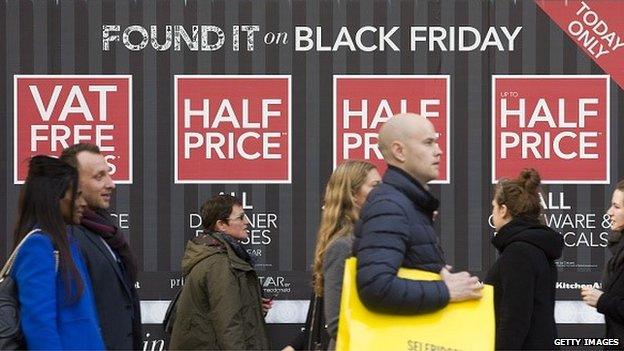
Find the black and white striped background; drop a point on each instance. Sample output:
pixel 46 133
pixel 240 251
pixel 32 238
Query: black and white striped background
pixel 64 37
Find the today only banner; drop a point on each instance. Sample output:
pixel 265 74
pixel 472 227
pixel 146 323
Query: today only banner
pixel 262 99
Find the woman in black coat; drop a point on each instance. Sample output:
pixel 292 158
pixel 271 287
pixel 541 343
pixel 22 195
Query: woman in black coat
pixel 524 275
pixel 610 300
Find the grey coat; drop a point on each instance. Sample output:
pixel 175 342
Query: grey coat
pixel 333 270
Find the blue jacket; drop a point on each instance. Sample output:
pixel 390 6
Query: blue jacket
pixel 396 230
pixel 47 320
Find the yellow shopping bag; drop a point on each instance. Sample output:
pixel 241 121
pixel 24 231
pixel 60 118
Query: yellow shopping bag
pixel 465 325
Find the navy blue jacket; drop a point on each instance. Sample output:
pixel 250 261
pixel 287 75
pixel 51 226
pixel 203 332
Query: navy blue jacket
pixel 116 299
pixel 396 230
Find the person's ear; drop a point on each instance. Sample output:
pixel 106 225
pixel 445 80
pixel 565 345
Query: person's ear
pixel 220 225
pixel 504 211
pixel 398 151
pixel 355 201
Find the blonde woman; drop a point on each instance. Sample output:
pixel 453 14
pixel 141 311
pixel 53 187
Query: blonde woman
pixel 345 194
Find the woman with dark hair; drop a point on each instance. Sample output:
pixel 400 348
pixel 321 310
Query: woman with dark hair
pixel 610 300
pixel 524 275
pixel 57 309
pixel 220 306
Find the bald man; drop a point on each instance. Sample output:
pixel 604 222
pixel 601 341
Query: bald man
pixel 396 228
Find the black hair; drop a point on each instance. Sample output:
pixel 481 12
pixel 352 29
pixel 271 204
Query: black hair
pixel 39 205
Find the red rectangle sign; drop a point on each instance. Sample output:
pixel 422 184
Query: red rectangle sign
pixel 53 112
pixel 232 129
pixel 362 104
pixel 558 125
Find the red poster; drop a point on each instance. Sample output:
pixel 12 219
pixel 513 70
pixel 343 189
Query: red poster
pixel 232 129
pixel 362 104
pixel 53 112
pixel 558 125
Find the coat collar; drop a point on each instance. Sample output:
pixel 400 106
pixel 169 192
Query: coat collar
pixel 412 188
pixel 235 261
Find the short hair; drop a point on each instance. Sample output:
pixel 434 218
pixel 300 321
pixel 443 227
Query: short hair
pixel 218 207
pixel 70 155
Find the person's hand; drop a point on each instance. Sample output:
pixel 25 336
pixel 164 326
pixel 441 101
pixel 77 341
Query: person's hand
pixel 590 295
pixel 462 286
pixel 267 304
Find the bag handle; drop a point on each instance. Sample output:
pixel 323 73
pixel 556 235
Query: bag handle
pixel 170 314
pixel 6 270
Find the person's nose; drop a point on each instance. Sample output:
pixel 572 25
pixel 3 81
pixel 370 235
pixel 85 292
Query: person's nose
pixel 438 150
pixel 109 182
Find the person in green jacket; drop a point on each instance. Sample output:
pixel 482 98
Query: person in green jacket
pixel 221 305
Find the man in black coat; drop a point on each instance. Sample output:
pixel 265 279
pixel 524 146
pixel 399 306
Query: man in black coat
pixel 396 230
pixel 112 266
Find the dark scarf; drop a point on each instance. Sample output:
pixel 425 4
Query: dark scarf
pixel 237 247
pixel 616 263
pixel 99 222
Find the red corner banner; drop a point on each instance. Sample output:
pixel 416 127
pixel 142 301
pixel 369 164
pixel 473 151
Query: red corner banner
pixel 596 27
